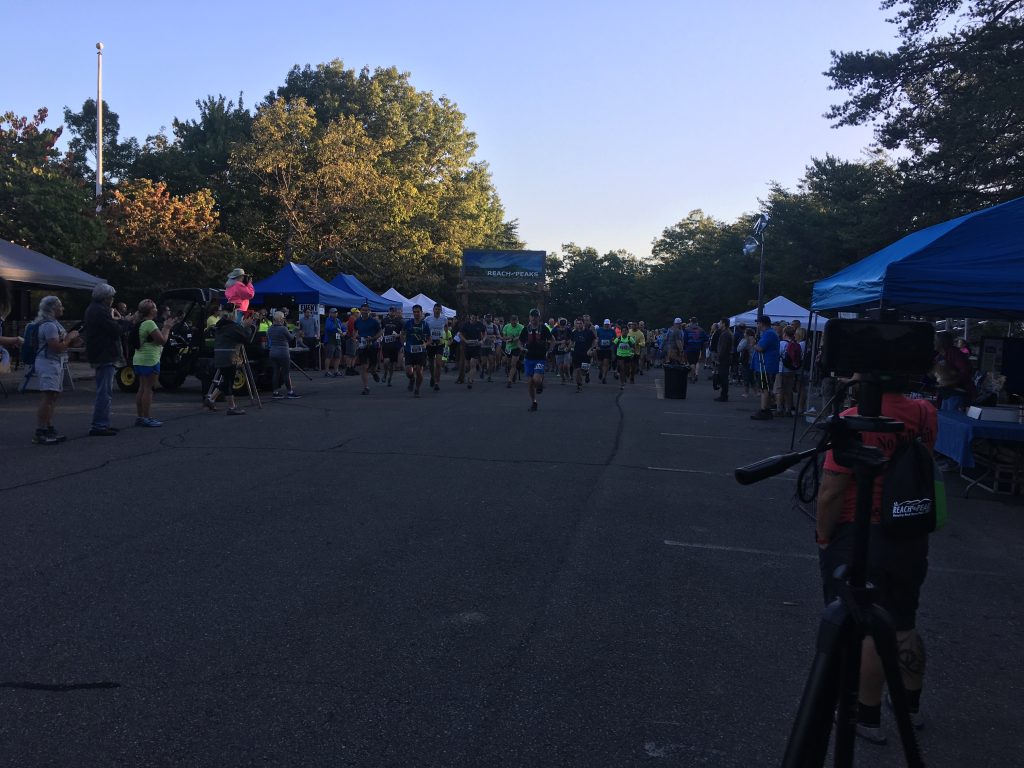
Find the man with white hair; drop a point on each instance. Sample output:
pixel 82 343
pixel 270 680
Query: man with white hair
pixel 103 327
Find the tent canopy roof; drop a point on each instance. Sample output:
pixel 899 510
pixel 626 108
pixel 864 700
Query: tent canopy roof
pixel 780 308
pixel 22 265
pixel 971 266
pixel 351 284
pixel 305 286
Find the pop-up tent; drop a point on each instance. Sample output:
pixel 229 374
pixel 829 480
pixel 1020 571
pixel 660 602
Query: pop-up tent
pixel 781 308
pixel 428 305
pixel 304 286
pixel 972 266
pixel 397 298
pixel 351 284
pixel 32 269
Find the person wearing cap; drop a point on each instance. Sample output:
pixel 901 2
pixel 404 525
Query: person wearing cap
pixel 674 349
pixel 694 340
pixel 391 341
pixel 512 331
pixel 334 343
pixel 538 342
pixel 605 339
pixel 238 290
pixel 639 348
pixel 103 328
pixel 368 332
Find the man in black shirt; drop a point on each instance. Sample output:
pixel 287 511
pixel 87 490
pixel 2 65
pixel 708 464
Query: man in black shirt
pixel 536 340
pixel 584 341
pixel 391 341
pixel 472 333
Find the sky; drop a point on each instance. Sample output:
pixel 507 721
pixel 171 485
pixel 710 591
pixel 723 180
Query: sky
pixel 603 123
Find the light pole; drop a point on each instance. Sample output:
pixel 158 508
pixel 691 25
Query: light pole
pixel 99 126
pixel 754 241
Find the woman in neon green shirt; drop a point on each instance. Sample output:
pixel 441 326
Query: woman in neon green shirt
pixel 146 360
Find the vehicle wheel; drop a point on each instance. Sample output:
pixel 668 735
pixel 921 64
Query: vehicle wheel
pixel 127 381
pixel 238 385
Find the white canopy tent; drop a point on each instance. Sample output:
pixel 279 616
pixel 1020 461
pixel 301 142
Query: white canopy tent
pixel 781 308
pixel 428 305
pixel 392 295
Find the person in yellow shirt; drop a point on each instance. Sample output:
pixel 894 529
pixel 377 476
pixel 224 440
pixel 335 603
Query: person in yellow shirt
pixel 640 349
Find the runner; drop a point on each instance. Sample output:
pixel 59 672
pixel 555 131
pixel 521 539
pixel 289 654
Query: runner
pixel 562 335
pixel 415 336
pixel 334 343
pixel 511 333
pixel 472 333
pixel 639 350
pixel 435 349
pixel 584 341
pixel 537 342
pixel 605 339
pixel 391 343
pixel 369 332
pixel 625 348
pixel 487 352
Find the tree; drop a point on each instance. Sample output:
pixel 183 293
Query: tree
pixel 41 207
pixel 164 241
pixel 950 97
pixel 118 157
pixel 585 282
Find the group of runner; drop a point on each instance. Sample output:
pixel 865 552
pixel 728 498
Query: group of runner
pixel 485 347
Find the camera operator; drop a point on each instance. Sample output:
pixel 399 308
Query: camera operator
pixel 896 566
pixel 238 290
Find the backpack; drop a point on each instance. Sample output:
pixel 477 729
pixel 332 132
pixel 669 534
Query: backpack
pixel 913 492
pixel 794 356
pixel 133 342
pixel 30 347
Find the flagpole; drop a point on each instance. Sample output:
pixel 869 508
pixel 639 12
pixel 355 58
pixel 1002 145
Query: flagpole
pixel 99 126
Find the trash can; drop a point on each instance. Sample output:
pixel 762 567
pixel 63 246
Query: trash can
pixel 676 377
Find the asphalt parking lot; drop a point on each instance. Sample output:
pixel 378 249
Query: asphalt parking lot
pixel 450 581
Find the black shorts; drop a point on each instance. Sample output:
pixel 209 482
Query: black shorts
pixel 470 352
pixel 897 567
pixel 513 352
pixel 415 358
pixel 435 350
pixel 692 357
pixel 578 360
pixel 391 352
pixel 604 354
pixel 765 381
pixel 367 356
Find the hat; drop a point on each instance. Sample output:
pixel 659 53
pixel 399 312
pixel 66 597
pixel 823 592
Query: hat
pixel 332 310
pixel 677 320
pixel 534 312
pixel 235 273
pixel 354 309
pixel 607 321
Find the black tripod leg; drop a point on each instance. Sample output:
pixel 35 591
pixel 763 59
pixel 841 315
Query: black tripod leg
pixel 885 642
pixel 808 741
pixel 849 690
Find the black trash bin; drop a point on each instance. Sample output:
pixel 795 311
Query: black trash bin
pixel 676 377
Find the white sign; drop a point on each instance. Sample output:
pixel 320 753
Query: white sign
pixel 315 309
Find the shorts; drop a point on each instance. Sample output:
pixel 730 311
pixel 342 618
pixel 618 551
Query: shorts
pixel 579 360
pixel 391 352
pixel 470 352
pixel 433 350
pixel 350 347
pixel 51 375
pixel 897 567
pixel 332 350
pixel 486 351
pixel 532 367
pixel 692 357
pixel 514 352
pixel 367 356
pixel 562 358
pixel 415 358
pixel 604 354
pixel 765 381
pixel 146 370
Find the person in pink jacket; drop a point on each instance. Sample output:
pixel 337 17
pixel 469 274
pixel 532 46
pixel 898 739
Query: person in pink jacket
pixel 238 290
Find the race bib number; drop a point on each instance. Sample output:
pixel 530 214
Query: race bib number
pixel 362 343
pixel 606 343
pixel 337 338
pixel 585 367
pixel 435 334
pixel 415 349
pixel 390 338
pixel 538 368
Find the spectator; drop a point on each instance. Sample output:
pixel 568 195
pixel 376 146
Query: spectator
pixel 238 290
pixel 280 338
pixel 309 332
pixel 103 328
pixel 787 375
pixel 5 310
pixel 674 350
pixel 724 359
pixel 953 375
pixel 229 336
pixel 146 359
pixel 765 364
pixel 334 343
pixel 50 363
pixel 744 353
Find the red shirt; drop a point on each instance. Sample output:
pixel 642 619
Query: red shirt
pixel 920 420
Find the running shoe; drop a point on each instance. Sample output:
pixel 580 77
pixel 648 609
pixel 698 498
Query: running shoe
pixel 236 412
pixel 42 437
pixel 294 395
pixel 150 423
pixel 277 396
pixel 533 406
pixel 365 392
pixel 208 404
pixel 376 378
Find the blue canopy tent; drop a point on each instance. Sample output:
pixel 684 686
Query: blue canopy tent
pixel 972 266
pixel 304 286
pixel 351 284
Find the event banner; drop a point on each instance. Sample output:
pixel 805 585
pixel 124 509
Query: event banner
pixel 504 266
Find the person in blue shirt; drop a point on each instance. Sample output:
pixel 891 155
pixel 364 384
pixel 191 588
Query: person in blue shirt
pixel 605 340
pixel 368 333
pixel 334 343
pixel 415 337
pixel 765 364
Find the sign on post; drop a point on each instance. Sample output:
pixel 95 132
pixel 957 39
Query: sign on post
pixel 504 267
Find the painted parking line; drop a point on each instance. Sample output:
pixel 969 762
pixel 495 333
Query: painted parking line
pixel 742 550
pixel 713 437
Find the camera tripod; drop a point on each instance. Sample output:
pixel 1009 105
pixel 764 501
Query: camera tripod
pixel 250 381
pixel 833 683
